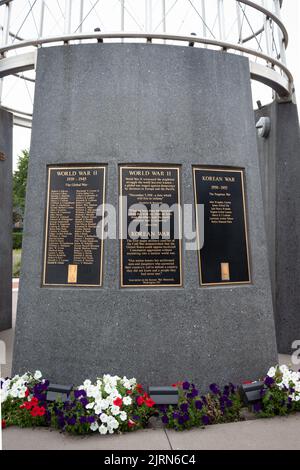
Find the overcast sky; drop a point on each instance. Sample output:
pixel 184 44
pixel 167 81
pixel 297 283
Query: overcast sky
pixel 291 18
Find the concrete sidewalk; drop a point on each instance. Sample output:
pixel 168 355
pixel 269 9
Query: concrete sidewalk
pixel 260 434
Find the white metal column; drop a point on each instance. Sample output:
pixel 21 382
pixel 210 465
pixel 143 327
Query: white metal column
pixel 221 19
pixel 42 15
pixel 68 14
pixel 5 36
pixel 280 35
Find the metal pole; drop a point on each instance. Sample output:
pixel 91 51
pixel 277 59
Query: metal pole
pixel 204 28
pixel 42 14
pixel 148 16
pixel 280 35
pixel 164 19
pixel 5 36
pixel 267 31
pixel 122 16
pixel 80 18
pixel 221 19
pixel 5 31
pixel 68 13
pixel 239 22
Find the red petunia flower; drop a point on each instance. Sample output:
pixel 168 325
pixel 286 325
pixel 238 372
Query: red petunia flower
pixel 118 402
pixel 129 392
pixel 27 392
pixel 139 388
pixel 177 384
pixel 27 404
pixel 149 402
pixel 35 411
pixel 41 411
pixel 131 423
pixel 3 424
pixel 140 401
pixel 34 401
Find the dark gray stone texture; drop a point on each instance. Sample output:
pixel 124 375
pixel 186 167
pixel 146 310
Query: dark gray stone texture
pixel 6 124
pixel 280 172
pixel 137 103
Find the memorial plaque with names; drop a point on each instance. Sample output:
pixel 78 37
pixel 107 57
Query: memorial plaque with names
pixel 151 256
pixel 224 257
pixel 73 253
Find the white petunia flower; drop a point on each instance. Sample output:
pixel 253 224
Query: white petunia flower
pixel 86 383
pixel 97 409
pixel 127 401
pixel 108 389
pixel 104 404
pixel 123 416
pixel 272 372
pixel 115 410
pixel 37 375
pixel 103 429
pixel 113 423
pixel 89 406
pixel 94 426
pixel 104 417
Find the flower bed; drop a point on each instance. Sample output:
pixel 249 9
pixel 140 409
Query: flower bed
pixel 109 405
pixel 114 404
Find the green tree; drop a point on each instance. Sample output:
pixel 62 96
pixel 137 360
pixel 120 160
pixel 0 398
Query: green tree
pixel 19 186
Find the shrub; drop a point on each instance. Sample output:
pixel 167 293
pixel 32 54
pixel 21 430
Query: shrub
pixel 17 240
pixel 281 394
pixel 194 410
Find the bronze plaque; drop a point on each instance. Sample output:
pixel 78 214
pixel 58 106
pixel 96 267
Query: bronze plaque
pixel 73 253
pixel 150 257
pixel 224 257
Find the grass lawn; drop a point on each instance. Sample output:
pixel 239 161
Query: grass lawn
pixel 17 253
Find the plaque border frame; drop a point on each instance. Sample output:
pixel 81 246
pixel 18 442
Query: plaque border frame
pixel 229 170
pixel 82 167
pixel 149 166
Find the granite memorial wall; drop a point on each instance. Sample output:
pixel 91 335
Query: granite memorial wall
pixel 148 125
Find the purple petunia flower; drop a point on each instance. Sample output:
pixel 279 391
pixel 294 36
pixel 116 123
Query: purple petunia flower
pixel 186 417
pixel 184 407
pixel 198 405
pixel 186 385
pixel 61 422
pixel 257 407
pixel 269 381
pixel 204 400
pixel 84 401
pixel 82 419
pixel 79 393
pixel 71 421
pixel 214 389
pixel 226 391
pixel 176 415
pixel 180 420
pixel 91 419
pixel 205 420
pixel 136 417
pixel 165 419
pixel 163 408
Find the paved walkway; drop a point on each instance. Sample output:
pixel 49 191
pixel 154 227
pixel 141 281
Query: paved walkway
pixel 276 433
pixel 261 434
